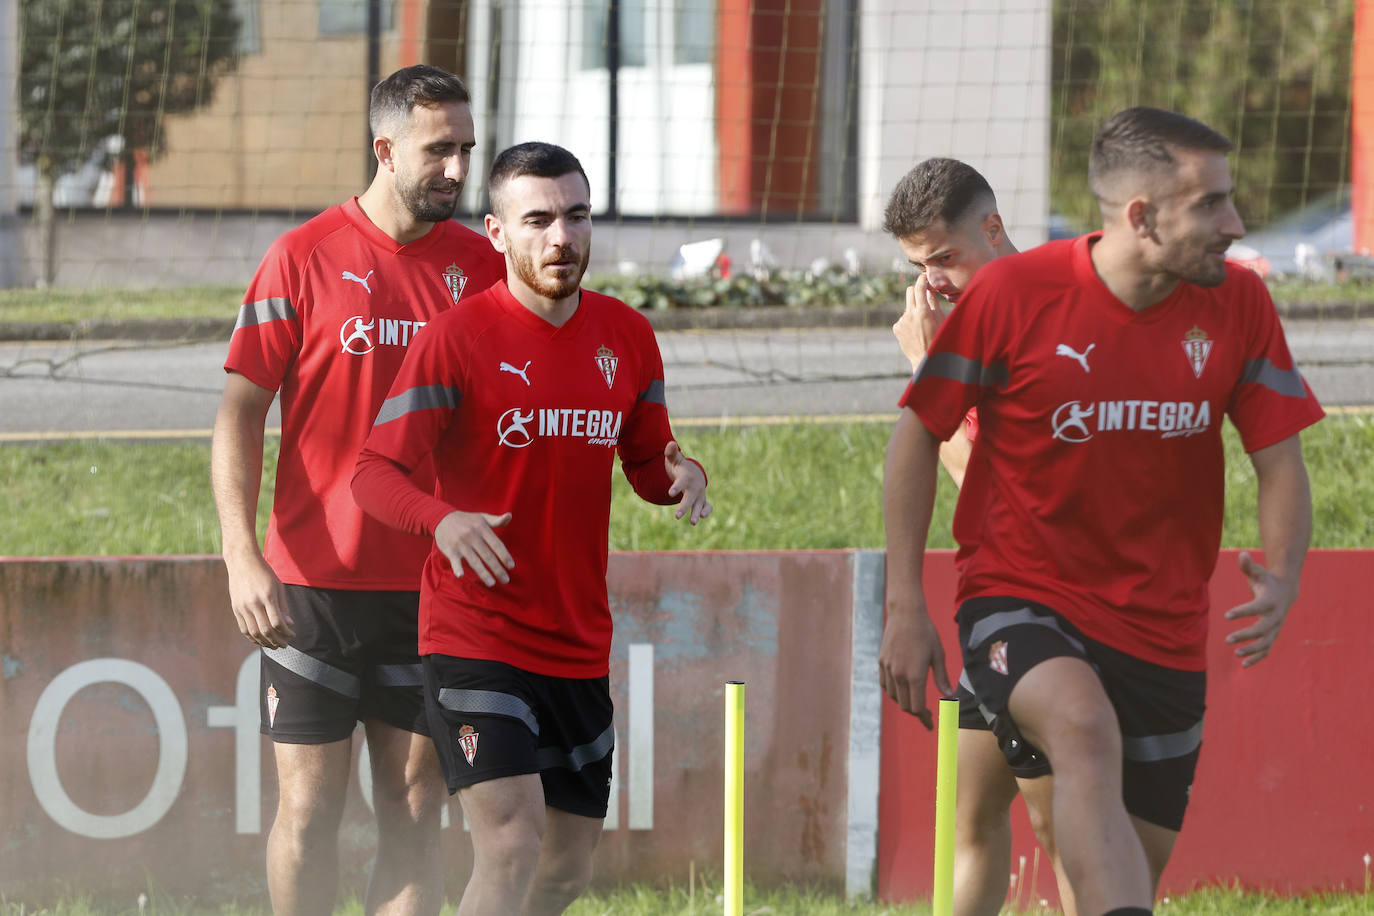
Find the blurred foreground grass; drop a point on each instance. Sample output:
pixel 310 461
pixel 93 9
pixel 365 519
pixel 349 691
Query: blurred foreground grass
pixel 702 900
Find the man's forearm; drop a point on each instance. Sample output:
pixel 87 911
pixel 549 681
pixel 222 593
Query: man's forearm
pixel 908 501
pixel 235 478
pixel 1284 500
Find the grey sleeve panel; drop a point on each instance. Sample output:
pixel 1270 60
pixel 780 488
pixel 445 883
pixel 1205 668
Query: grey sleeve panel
pixel 277 308
pixel 962 369
pixel 1287 382
pixel 655 393
pixel 427 397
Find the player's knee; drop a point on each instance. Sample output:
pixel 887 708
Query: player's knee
pixel 977 822
pixel 1084 734
pixel 308 817
pixel 408 805
pixel 1042 824
pixel 565 879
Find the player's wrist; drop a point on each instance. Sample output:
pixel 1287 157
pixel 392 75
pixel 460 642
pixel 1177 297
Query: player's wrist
pixel 241 552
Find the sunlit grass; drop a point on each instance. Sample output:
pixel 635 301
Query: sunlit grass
pixel 804 486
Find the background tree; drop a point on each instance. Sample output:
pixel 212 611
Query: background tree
pixel 1273 75
pixel 95 69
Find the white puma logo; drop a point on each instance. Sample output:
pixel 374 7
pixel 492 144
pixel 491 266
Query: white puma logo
pixel 1066 350
pixel 507 367
pixel 350 275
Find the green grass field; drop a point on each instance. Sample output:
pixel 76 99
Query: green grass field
pixel 801 486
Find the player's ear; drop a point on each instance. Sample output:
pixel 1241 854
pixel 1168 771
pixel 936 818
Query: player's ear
pixel 495 232
pixel 1140 215
pixel 382 149
pixel 993 230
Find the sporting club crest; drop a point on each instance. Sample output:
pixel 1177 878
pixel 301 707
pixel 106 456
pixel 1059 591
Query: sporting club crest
pixel 997 657
pixel 455 280
pixel 606 361
pixel 272 701
pixel 1198 346
pixel 467 741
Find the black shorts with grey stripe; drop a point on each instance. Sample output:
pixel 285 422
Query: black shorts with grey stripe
pixel 1025 761
pixel 491 720
pixel 354 657
pixel 1160 709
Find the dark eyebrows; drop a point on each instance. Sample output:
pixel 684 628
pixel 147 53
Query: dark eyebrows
pixel 576 209
pixel 1216 197
pixel 935 256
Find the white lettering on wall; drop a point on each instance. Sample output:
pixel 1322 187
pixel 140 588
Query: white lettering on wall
pixel 171 755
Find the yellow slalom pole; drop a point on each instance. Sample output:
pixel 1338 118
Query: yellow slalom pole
pixel 734 798
pixel 946 765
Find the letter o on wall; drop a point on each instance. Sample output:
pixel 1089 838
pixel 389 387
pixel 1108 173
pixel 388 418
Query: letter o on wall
pixel 171 757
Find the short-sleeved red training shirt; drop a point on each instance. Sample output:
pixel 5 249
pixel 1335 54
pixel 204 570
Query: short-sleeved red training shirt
pixel 526 418
pixel 1097 481
pixel 327 319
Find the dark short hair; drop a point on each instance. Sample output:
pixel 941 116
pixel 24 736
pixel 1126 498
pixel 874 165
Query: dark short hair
pixel 394 97
pixel 543 160
pixel 1141 139
pixel 937 188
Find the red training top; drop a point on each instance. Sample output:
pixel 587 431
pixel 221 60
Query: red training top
pixel 1096 484
pixel 522 417
pixel 327 320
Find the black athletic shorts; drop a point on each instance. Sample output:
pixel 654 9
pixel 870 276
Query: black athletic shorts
pixel 354 657
pixel 1160 709
pixel 1025 761
pixel 491 720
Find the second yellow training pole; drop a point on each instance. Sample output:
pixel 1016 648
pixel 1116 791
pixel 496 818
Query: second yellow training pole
pixel 734 798
pixel 946 766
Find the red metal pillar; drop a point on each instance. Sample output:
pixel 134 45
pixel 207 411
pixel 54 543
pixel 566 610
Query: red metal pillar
pixel 1362 127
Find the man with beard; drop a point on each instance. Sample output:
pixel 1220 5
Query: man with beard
pixel 523 397
pixel 333 599
pixel 1090 516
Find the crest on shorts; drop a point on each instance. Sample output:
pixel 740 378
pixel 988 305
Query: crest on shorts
pixel 606 361
pixel 467 741
pixel 272 701
pixel 455 280
pixel 1198 346
pixel 997 657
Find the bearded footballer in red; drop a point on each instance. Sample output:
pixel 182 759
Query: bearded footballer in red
pixel 333 599
pixel 1090 515
pixel 524 398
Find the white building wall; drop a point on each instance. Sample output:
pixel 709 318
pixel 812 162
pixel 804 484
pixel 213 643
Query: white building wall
pixel 968 80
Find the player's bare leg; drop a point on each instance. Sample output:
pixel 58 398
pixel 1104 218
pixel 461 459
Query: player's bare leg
pixel 1060 706
pixel 1159 845
pixel 506 817
pixel 303 845
pixel 1039 796
pixel 408 794
pixel 565 862
pixel 982 825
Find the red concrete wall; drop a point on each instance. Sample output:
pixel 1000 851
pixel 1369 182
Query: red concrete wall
pixel 779 621
pixel 768 60
pixel 1282 798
